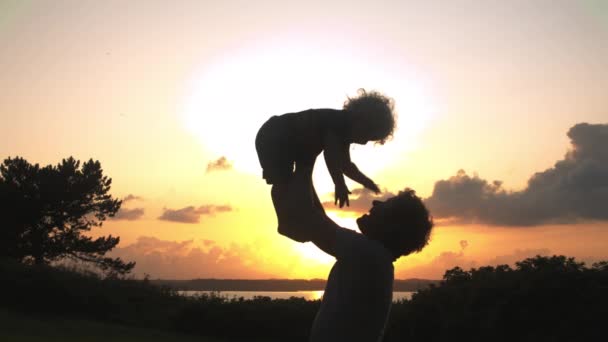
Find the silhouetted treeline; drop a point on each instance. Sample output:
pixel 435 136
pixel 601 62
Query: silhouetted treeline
pixel 47 211
pixel 243 284
pixel 274 284
pixel 540 299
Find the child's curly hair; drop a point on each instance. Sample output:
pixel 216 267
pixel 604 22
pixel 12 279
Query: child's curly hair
pixel 379 109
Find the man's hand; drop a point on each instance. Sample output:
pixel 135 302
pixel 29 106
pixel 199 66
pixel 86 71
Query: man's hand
pixel 341 196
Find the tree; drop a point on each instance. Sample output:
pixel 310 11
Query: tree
pixel 45 211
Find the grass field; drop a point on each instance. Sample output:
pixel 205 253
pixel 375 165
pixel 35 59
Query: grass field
pixel 21 328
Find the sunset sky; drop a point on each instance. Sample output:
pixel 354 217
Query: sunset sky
pixel 168 96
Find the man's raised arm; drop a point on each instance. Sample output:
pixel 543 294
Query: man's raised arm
pixel 303 220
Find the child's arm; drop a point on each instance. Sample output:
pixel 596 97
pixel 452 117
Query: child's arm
pixel 352 171
pixel 336 156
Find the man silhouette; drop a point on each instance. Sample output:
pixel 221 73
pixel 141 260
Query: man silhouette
pixel 358 294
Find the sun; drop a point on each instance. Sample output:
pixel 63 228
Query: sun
pixel 229 99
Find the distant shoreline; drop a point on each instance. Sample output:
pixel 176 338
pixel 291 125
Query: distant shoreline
pixel 272 285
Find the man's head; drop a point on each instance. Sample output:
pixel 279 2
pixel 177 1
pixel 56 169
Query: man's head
pixel 401 223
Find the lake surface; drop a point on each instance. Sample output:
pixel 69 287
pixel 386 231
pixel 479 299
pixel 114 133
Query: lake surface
pixel 308 295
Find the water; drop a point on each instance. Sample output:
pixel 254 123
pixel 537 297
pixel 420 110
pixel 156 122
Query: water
pixel 308 295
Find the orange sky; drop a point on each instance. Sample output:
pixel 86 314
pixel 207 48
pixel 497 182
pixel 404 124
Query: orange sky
pixel 157 92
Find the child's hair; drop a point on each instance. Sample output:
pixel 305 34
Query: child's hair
pixel 378 108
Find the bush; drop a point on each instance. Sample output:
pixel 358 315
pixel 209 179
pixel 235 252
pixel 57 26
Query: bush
pixel 541 299
pixel 48 290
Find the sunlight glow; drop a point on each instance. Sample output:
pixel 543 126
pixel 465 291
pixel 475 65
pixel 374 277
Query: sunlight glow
pixel 231 98
pixel 315 295
pixel 314 254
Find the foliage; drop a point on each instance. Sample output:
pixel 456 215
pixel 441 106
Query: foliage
pixel 63 292
pixel 539 299
pixel 138 303
pixel 260 318
pixel 46 210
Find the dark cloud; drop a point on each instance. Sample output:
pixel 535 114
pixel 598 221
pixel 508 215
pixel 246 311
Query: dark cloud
pixel 129 214
pixel 360 200
pixel 131 197
pixel 188 259
pixel 222 164
pixel 574 190
pixel 192 214
pixel 185 215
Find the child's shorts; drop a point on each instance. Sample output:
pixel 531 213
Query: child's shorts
pixel 273 147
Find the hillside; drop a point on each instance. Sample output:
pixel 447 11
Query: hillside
pixel 273 284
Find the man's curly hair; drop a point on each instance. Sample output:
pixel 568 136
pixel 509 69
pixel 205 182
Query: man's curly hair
pixel 379 109
pixel 411 223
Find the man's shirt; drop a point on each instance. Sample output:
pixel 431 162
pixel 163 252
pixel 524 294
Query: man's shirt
pixel 359 291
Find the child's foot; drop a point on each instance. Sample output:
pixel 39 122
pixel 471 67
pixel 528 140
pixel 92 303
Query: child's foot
pixel 282 228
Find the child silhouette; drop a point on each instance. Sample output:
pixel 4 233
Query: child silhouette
pixel 296 139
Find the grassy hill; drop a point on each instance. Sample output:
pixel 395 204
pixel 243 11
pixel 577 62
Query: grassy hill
pixel 19 327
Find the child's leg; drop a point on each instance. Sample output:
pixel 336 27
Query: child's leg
pixel 311 201
pixel 304 170
pixel 277 193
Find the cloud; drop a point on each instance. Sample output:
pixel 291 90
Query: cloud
pixel 129 214
pixel 221 164
pixel 211 209
pixel 360 200
pixel 464 244
pixel 574 190
pixel 188 259
pixel 192 214
pixel 131 197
